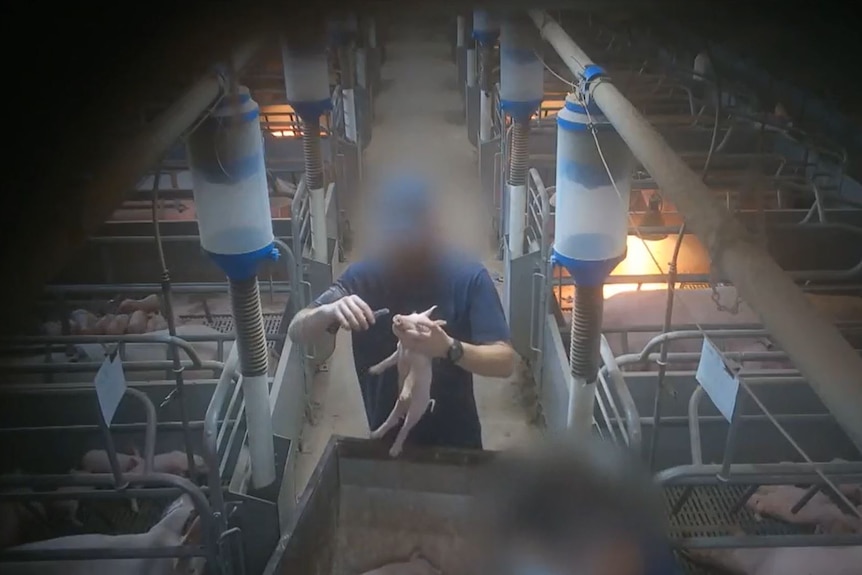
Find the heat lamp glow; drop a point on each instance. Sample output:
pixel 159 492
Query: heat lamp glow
pixel 638 262
pixel 281 121
pixel 549 109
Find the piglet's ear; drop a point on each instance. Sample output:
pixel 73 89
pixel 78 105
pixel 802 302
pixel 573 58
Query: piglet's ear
pixel 429 311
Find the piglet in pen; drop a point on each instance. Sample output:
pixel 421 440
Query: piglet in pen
pixel 179 525
pixel 414 380
pixel 147 305
pixel 174 462
pixel 784 560
pixel 97 461
pixel 777 501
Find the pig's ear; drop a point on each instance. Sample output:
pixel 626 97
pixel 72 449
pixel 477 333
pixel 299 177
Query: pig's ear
pixel 440 322
pixel 429 311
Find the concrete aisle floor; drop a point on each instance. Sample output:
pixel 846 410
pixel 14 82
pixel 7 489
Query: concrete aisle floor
pixel 419 123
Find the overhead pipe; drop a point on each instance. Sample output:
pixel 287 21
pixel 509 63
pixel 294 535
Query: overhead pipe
pixel 817 348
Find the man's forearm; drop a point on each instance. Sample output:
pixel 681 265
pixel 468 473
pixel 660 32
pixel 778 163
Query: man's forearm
pixel 491 360
pixel 309 324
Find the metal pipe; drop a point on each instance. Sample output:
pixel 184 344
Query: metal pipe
pixel 107 188
pixel 314 181
pixel 486 87
pixel 110 339
pixel 761 473
pixel 832 367
pixel 87 366
pixel 630 411
pixel 168 312
pixel 147 288
pixel 253 356
pixel 210 444
pixel 584 357
pixel 517 185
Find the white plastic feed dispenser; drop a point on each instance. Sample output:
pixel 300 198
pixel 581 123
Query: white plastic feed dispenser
pixel 522 75
pixel 485 27
pixel 306 79
pixel 591 221
pixel 229 177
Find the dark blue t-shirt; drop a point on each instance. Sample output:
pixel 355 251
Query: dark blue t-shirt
pixel 467 299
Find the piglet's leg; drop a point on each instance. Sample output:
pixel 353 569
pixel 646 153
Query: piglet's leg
pixel 385 364
pixel 398 411
pixel 415 411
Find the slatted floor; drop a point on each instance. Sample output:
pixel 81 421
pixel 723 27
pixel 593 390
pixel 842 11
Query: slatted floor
pixel 224 323
pixel 709 512
pixel 117 517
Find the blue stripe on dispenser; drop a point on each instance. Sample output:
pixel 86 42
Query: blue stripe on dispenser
pixel 228 98
pixel 587 273
pixel 578 108
pixel 590 176
pixel 311 110
pixel 238 267
pixel 228 170
pixel 486 37
pixel 583 124
pixel 218 118
pixel 520 111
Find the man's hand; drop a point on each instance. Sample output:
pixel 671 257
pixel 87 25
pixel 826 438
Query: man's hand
pixel 351 313
pixel 430 339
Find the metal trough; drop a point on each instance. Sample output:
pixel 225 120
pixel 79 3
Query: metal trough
pixel 362 509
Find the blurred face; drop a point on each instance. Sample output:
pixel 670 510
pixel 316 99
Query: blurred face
pixel 410 253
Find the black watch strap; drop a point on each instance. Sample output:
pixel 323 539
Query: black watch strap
pixel 455 352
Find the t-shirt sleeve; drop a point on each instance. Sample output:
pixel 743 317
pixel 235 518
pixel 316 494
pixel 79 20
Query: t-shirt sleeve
pixel 346 284
pixel 487 320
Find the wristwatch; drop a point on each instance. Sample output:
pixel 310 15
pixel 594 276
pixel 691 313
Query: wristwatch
pixel 455 352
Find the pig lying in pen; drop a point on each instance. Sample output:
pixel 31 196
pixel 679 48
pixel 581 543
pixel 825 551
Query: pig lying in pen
pixel 696 307
pixel 784 560
pixel 179 525
pixel 777 501
pixel 173 462
pixel 414 380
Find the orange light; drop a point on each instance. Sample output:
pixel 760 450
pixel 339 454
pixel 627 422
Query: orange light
pixel 613 289
pixel 638 262
pixel 549 108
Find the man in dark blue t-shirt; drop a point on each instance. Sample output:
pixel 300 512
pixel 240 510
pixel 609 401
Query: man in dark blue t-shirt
pixel 409 271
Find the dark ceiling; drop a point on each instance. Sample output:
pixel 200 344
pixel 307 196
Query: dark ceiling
pixel 77 79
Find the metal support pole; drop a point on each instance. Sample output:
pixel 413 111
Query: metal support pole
pixel 486 85
pixel 517 186
pixel 253 361
pixel 345 60
pixel 824 357
pixel 584 357
pixel 316 188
